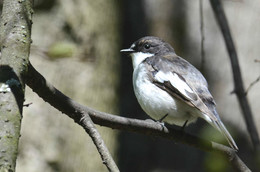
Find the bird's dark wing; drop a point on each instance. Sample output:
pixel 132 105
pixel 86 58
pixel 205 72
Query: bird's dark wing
pixel 183 81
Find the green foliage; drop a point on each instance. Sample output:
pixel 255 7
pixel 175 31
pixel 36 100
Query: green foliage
pixel 61 50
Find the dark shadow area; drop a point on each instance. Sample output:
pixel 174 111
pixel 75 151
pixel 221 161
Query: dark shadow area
pixel 43 5
pixel 8 76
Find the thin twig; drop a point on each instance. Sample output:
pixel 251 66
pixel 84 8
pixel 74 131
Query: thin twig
pixel 238 82
pixel 98 141
pixel 252 84
pixel 202 34
pixel 77 112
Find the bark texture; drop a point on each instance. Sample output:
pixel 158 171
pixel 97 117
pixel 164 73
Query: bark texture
pixel 15 35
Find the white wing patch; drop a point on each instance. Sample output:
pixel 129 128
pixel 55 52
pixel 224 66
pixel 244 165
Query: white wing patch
pixel 176 82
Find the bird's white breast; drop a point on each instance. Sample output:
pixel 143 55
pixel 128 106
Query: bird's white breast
pixel 157 102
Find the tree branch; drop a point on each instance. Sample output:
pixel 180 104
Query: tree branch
pixel 202 37
pixel 238 82
pixel 71 108
pixel 77 112
pixel 90 128
pixel 15 40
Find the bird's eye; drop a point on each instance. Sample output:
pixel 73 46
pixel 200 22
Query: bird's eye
pixel 147 46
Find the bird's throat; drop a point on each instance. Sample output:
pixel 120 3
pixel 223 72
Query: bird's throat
pixel 139 57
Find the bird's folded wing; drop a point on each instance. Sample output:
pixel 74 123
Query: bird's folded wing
pixel 175 85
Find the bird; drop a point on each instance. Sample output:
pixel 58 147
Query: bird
pixel 169 89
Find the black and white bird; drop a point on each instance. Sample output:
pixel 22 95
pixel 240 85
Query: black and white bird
pixel 170 89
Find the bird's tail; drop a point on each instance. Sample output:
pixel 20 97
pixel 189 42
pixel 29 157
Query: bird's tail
pixel 221 127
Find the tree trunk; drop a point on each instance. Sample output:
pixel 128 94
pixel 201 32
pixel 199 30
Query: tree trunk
pixel 15 35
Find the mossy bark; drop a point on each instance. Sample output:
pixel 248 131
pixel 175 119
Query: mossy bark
pixel 15 39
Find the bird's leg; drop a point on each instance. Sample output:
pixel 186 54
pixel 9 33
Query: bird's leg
pixel 160 120
pixel 184 125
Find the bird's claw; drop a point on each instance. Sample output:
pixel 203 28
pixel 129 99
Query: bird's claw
pixel 157 122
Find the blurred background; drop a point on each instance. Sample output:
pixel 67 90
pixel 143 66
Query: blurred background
pixel 76 47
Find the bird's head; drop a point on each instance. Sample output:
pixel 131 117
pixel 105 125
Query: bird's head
pixel 146 47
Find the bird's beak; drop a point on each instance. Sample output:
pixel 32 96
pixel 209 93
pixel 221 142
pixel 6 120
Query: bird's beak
pixel 127 51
